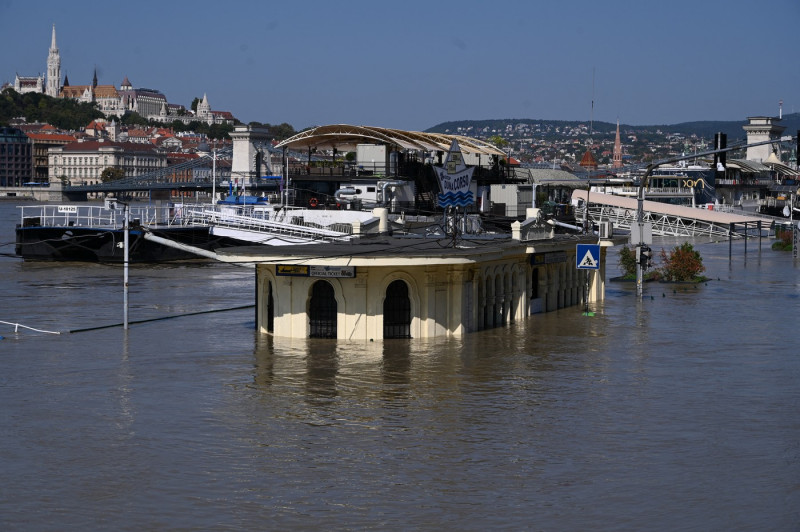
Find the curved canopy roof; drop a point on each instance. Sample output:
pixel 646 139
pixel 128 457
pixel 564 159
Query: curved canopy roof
pixel 750 167
pixel 755 167
pixel 344 137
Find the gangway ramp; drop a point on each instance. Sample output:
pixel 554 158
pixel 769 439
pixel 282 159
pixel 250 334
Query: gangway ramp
pixel 255 227
pixel 668 219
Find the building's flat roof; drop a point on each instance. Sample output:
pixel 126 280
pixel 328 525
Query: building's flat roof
pixel 398 251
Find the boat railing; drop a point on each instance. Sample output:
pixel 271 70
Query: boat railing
pixel 651 191
pixel 98 216
pixel 257 220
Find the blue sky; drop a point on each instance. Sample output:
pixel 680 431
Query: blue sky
pixel 414 64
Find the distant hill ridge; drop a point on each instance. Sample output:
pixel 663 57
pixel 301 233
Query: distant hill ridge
pixel 704 129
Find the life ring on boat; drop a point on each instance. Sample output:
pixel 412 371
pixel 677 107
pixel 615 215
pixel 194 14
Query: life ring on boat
pixel 313 202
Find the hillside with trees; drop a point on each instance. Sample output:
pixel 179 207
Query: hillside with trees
pixel 702 129
pixel 70 115
pixel 62 113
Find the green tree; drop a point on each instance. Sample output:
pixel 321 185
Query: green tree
pixel 132 118
pixel 279 132
pixel 194 104
pixel 498 141
pixel 111 174
pixel 682 264
pixel 627 261
pixel 63 113
pixel 785 240
pixel 219 131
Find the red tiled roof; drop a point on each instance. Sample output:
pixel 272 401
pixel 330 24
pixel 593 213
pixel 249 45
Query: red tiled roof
pixel 106 91
pixel 588 160
pixel 51 137
pixel 74 91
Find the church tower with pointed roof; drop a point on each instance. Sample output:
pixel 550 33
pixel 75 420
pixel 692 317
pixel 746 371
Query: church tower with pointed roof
pixel 617 150
pixel 53 68
pixel 204 108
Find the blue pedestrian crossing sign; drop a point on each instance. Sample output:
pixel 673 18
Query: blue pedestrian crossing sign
pixel 588 257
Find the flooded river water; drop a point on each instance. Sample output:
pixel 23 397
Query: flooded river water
pixel 679 412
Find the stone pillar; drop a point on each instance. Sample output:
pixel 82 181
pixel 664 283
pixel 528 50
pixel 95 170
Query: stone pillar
pixel 245 151
pixel 360 310
pixel 456 311
pixel 552 288
pixel 597 291
pixel 428 304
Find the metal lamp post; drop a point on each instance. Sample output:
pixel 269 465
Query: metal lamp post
pixel 111 204
pixel 213 175
pixel 126 258
pixel 640 233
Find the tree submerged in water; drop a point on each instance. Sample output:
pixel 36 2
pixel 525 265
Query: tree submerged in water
pixel 683 264
pixel 784 242
pixel 627 262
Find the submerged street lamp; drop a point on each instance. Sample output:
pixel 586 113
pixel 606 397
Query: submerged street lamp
pixel 112 204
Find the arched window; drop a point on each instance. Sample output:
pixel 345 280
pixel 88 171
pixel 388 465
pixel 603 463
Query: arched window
pixel 322 311
pixel 397 311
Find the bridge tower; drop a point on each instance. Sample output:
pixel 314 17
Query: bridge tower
pixel 761 129
pixel 248 162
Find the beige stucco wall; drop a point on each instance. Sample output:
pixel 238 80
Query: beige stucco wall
pixel 446 299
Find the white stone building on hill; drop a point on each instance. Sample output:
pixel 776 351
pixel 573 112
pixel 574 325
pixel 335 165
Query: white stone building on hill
pixel 112 101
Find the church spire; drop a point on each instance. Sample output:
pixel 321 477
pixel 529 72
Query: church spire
pixel 94 79
pixel 53 86
pixel 617 150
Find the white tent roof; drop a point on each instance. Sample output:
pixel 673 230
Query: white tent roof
pixel 343 137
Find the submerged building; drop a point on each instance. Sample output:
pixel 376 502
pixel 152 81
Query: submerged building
pixel 409 276
pixel 407 286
